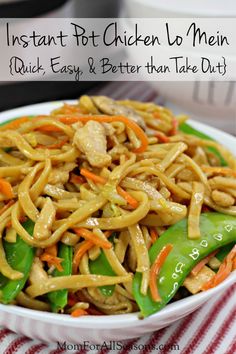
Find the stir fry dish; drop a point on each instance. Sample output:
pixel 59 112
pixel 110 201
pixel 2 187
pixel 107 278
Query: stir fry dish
pixel 112 207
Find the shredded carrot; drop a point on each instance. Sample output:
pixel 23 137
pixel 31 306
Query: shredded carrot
pixel 52 261
pixel 49 129
pixel 77 179
pixel 6 188
pixel 153 234
pixel 219 170
pixel 53 146
pixel 90 236
pixel 162 137
pixel 175 125
pixel 225 268
pixel 98 179
pixel 234 263
pixel 15 123
pixel 6 206
pixel 52 250
pixel 79 254
pixel 79 312
pixel 130 200
pixel 109 119
pixel 108 233
pixel 46 128
pixel 155 269
pixel 39 117
pixel 68 109
pixel 69 119
pixel 92 176
pixel 201 264
pixel 156 115
pixel 9 224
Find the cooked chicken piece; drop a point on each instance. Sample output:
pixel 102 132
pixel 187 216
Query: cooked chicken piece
pixel 111 107
pixel 61 174
pixel 91 140
pixel 37 273
pixel 43 226
pixel 194 283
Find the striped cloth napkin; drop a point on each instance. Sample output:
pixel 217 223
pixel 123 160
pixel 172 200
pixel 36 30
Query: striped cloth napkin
pixel 209 330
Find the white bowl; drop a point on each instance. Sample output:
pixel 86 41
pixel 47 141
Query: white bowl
pixel 51 327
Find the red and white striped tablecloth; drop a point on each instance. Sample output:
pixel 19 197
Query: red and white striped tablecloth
pixel 209 330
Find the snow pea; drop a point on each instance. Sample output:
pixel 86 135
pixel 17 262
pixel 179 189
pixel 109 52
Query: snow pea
pixel 224 251
pixel 217 230
pixel 101 266
pixel 187 129
pixel 20 256
pixel 58 299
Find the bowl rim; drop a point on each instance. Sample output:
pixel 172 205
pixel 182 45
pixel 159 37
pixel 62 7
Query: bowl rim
pixel 118 321
pixel 122 320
